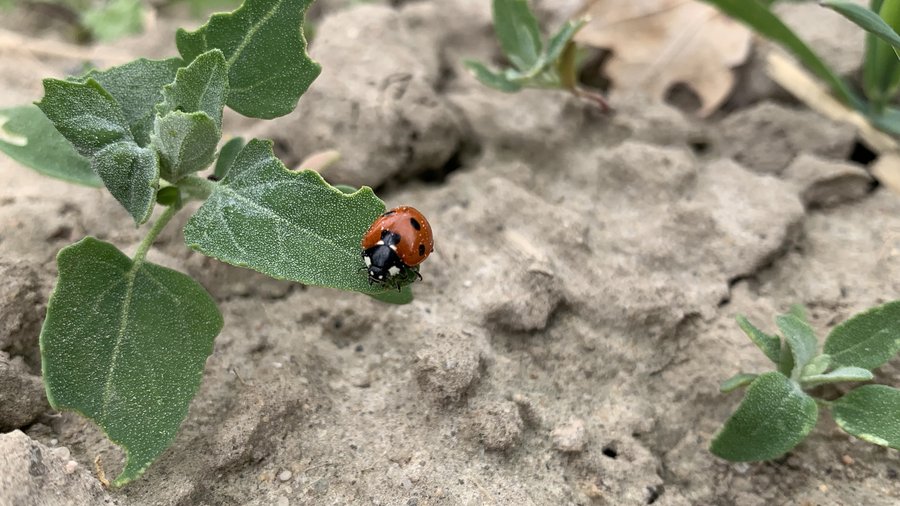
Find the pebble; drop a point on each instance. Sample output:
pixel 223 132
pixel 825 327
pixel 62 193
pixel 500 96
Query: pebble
pixel 70 467
pixel 285 475
pixel 569 437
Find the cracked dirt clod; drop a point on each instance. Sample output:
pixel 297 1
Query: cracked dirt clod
pixel 526 301
pixel 31 473
pixel 449 365
pixel 22 301
pixel 497 425
pixel 827 183
pixel 22 396
pixel 768 136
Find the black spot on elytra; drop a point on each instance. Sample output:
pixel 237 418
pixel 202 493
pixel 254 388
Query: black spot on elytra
pixel 415 224
pixel 421 250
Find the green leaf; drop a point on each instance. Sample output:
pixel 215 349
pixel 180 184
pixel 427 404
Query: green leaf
pixel 800 338
pixel 518 32
pixel 201 86
pixel 770 345
pixel 492 79
pixel 786 360
pixel 839 375
pixel 865 19
pixel 799 311
pixel 92 120
pixel 868 339
pixel 85 114
pixel 137 87
pixel 557 44
pixel 737 381
pixel 131 174
pixel 816 366
pixel 124 344
pixel 286 224
pixel 28 137
pixel 761 19
pixel 249 37
pixel 226 156
pixel 774 417
pixel 186 143
pixel 870 413
pixel 114 19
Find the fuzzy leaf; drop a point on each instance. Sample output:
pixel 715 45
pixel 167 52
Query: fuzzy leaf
pixel 518 32
pixel 839 375
pixel 868 339
pixel 770 345
pixel 800 338
pixel 186 143
pixel 816 366
pixel 92 120
pixel 249 37
pixel 227 155
pixel 85 114
pixel 870 413
pixel 737 381
pixel 492 79
pixel 28 137
pixel 124 344
pixel 286 224
pixel 131 174
pixel 774 417
pixel 201 86
pixel 137 87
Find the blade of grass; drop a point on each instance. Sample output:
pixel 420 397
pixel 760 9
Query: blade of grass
pixel 758 17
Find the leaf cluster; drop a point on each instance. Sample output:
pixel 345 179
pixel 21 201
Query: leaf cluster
pixel 881 67
pixel 778 411
pixel 536 63
pixel 125 341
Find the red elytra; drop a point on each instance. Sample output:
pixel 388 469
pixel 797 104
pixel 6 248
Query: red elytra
pixel 415 241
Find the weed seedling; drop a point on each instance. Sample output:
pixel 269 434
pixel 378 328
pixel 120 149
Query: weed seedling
pixel 778 410
pixel 124 341
pixel 535 63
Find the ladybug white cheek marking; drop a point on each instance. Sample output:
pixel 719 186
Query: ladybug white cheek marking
pixel 368 261
pixel 394 270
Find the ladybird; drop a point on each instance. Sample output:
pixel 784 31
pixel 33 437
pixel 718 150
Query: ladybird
pixel 397 241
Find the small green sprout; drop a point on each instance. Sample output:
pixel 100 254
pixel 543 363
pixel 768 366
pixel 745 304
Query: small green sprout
pixel 778 411
pixel 536 64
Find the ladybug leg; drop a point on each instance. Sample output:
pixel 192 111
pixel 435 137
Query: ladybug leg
pixel 418 276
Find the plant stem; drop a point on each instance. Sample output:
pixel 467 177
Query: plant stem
pixel 153 233
pixel 196 188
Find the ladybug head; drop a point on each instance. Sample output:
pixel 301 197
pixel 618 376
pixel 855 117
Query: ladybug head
pixel 382 263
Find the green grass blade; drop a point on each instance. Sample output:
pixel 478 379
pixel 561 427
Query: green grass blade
pixel 759 18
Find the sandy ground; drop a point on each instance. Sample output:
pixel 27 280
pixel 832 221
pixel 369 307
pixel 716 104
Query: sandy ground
pixel 574 323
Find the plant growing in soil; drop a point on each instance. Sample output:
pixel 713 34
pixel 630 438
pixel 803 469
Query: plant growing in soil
pixel 535 63
pixel 881 67
pixel 780 408
pixel 124 341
